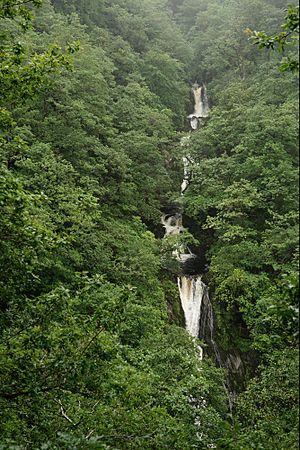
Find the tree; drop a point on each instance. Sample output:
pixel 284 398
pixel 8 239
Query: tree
pixel 284 39
pixel 24 236
pixel 88 356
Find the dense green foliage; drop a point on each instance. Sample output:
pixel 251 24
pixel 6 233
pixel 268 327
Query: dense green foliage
pixel 283 39
pixel 94 96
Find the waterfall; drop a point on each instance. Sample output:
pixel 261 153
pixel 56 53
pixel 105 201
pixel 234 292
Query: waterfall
pixel 194 296
pixel 193 292
pixel 191 288
pixel 172 223
pixel 198 311
pixel 187 161
pixel 201 107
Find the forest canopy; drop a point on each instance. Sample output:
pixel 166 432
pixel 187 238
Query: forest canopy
pixel 94 99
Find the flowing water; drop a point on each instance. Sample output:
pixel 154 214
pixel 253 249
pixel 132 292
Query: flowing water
pixel 194 296
pixel 193 292
pixel 201 106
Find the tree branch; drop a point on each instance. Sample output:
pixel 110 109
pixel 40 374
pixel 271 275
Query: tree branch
pixel 64 414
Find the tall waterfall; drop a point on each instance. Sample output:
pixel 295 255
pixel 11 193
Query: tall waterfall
pixel 194 296
pixel 193 292
pixel 201 107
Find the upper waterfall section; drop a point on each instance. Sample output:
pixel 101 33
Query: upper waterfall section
pixel 201 106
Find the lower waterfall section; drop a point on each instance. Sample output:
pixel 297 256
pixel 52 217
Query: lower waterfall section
pixel 198 312
pixel 191 292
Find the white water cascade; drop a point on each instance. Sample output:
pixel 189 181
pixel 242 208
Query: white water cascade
pixel 193 292
pixel 194 296
pixel 191 288
pixel 201 107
